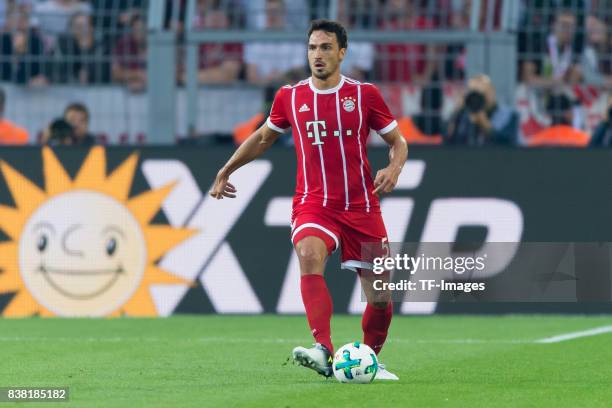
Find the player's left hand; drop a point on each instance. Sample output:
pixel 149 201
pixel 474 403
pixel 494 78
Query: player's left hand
pixel 386 179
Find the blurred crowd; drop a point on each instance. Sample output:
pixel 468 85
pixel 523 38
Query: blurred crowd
pixel 265 62
pixel 562 44
pixel 72 41
pixel 104 41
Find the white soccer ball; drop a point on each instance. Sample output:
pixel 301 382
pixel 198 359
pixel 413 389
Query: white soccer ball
pixel 355 363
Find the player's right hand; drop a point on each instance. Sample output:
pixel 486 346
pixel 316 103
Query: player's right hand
pixel 222 188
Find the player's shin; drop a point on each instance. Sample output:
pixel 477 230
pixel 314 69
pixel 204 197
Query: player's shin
pixel 375 324
pixel 319 307
pixel 378 313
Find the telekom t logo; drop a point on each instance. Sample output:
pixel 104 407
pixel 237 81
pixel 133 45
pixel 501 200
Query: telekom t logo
pixel 319 131
pixel 315 131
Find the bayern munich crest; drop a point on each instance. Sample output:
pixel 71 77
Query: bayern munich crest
pixel 348 103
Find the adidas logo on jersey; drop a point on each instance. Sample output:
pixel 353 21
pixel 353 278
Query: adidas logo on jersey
pixel 304 108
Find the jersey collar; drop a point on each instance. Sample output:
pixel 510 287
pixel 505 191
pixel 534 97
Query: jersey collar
pixel 326 91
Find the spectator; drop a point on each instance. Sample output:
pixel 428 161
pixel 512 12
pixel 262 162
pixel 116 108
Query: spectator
pixel 80 56
pixel 359 58
pixel 10 134
pixel 481 120
pixel 130 56
pixel 53 16
pixel 295 13
pixel 602 136
pixel 554 62
pixel 111 16
pixel 218 62
pixel 595 60
pixel 23 57
pixel 402 62
pixel 16 14
pixel 427 127
pixel 77 115
pixel 560 132
pixel 59 133
pixel 272 61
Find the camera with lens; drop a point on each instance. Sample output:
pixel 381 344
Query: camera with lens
pixel 475 101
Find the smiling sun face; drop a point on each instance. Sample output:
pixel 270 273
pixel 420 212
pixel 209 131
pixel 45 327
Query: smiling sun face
pixel 81 247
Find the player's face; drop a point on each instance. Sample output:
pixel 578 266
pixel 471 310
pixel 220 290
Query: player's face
pixel 324 54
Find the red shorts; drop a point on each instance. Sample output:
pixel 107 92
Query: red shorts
pixel 347 230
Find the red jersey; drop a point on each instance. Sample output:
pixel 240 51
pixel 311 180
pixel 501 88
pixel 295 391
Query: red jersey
pixel 330 131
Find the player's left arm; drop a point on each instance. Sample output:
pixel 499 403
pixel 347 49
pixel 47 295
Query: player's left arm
pixel 386 178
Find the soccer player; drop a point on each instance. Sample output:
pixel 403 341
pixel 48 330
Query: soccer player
pixel 336 202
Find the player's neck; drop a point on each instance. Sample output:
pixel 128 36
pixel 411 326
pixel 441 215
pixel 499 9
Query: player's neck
pixel 332 81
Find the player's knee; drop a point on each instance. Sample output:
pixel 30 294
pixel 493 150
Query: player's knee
pixel 312 253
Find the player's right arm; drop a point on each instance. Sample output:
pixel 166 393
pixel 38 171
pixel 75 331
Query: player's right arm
pixel 252 148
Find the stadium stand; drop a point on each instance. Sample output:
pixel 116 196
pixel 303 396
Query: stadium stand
pixel 99 53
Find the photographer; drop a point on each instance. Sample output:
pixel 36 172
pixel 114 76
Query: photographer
pixel 481 120
pixel 59 133
pixel 602 136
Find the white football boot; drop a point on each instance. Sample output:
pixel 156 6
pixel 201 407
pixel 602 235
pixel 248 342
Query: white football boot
pixel 317 358
pixel 383 374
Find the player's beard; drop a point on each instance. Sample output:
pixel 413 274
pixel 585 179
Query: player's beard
pixel 326 73
pixel 322 76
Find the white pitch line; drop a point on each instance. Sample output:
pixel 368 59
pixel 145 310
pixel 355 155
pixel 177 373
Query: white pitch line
pixel 547 340
pixel 459 341
pixel 575 335
pixel 243 340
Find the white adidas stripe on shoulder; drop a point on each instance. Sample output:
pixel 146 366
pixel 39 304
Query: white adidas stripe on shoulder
pixel 356 82
pixel 289 86
pixel 302 82
pixel 352 81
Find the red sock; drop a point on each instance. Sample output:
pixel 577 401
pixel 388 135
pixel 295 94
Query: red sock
pixel 375 324
pixel 318 305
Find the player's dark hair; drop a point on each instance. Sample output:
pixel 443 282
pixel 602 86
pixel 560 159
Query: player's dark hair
pixel 79 107
pixel 330 27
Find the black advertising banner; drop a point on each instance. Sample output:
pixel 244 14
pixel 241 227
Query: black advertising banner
pixel 132 231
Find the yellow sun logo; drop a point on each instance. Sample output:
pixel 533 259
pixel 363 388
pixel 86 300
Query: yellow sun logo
pixel 83 247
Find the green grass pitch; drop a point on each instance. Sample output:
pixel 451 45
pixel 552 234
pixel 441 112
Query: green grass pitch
pixel 237 361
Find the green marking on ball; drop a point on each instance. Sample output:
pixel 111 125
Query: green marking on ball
pixel 372 368
pixel 348 364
